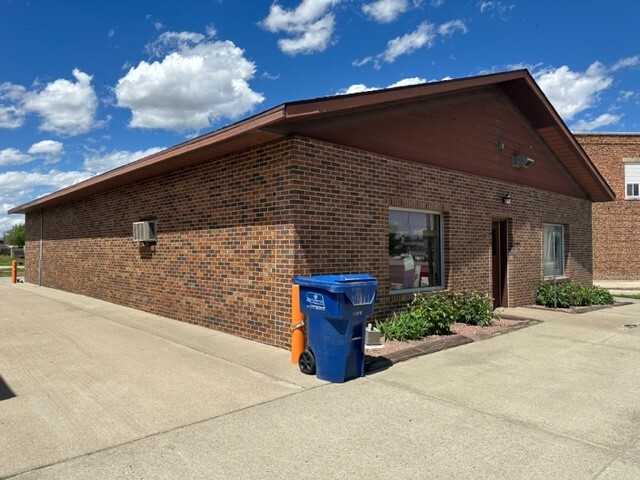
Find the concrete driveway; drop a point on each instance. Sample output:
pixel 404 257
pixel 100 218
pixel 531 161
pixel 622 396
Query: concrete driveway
pixel 102 391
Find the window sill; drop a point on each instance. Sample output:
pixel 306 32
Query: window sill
pixel 559 278
pixel 407 291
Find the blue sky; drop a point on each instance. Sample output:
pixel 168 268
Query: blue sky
pixel 86 86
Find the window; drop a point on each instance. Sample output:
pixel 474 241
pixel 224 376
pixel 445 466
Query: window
pixel 553 250
pixel 632 179
pixel 415 250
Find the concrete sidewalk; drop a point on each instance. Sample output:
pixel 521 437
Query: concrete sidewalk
pixel 620 287
pixel 107 392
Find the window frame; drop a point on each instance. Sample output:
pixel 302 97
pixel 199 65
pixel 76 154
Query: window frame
pixel 631 178
pixel 563 272
pixel 635 194
pixel 440 219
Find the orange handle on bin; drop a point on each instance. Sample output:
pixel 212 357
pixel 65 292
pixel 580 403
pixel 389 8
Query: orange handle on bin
pixel 297 325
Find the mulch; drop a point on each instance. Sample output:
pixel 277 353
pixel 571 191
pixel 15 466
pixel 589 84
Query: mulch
pixel 392 352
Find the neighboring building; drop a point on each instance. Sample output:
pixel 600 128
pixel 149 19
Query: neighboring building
pixel 616 225
pixel 425 187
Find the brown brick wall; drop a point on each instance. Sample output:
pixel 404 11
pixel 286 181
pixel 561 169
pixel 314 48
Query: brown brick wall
pixel 233 231
pixel 222 258
pixel 616 225
pixel 342 221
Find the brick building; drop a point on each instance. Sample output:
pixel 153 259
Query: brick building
pixel 616 225
pixel 473 183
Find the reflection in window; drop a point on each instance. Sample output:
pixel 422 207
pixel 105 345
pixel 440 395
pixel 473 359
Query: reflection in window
pixel 415 249
pixel 553 250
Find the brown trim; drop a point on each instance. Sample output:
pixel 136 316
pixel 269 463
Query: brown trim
pixel 281 121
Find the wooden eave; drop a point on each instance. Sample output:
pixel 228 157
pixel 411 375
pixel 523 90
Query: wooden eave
pixel 302 117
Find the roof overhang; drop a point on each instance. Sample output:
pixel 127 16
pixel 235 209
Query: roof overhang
pixel 286 119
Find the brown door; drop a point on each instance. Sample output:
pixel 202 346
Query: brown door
pixel 499 263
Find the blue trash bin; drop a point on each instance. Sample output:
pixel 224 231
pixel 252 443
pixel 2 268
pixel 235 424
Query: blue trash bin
pixel 336 307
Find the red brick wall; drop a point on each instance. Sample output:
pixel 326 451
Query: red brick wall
pixel 221 259
pixel 342 220
pixel 233 231
pixel 616 225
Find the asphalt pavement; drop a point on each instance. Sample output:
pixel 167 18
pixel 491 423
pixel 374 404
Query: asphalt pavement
pixel 89 389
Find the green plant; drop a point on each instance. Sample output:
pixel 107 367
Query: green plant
pixel 472 308
pixel 401 326
pixel 433 314
pixel 571 294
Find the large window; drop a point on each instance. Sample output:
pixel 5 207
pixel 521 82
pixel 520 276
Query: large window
pixel 415 249
pixel 553 250
pixel 632 180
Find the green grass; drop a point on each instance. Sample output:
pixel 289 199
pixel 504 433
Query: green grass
pixel 5 261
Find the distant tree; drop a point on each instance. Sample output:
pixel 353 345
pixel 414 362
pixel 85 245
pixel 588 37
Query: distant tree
pixel 15 236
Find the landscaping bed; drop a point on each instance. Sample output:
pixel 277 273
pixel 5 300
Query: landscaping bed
pixel 394 351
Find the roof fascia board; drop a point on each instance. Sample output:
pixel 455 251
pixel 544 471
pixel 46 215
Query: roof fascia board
pixel 252 123
pixel 571 140
pixel 378 98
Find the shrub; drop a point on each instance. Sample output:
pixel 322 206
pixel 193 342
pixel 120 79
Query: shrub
pixel 472 308
pixel 425 315
pixel 433 314
pixel 572 294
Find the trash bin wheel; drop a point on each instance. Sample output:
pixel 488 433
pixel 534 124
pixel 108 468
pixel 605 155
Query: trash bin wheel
pixel 307 363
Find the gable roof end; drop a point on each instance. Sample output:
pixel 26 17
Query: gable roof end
pixel 281 121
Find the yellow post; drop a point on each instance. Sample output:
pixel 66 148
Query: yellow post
pixel 14 271
pixel 297 325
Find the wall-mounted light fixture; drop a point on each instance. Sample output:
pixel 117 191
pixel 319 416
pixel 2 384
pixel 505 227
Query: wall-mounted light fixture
pixel 506 199
pixel 521 161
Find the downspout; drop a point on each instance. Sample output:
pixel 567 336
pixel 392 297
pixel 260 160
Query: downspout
pixel 41 248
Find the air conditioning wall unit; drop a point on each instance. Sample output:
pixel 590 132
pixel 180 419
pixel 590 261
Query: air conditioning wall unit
pixel 145 231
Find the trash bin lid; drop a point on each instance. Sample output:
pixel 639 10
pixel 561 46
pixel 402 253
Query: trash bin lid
pixel 339 283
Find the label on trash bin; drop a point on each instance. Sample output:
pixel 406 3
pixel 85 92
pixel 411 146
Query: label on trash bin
pixel 315 301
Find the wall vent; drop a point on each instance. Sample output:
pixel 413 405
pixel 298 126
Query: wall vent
pixel 145 231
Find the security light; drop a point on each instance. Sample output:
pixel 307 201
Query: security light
pixel 521 161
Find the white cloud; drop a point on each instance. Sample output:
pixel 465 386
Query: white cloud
pixel 408 81
pixel 363 61
pixel 357 88
pixel 190 88
pixel 50 150
pixel 310 26
pixel 66 107
pixel 172 41
pixel 425 34
pixel 437 3
pixel 17 187
pixel 449 28
pixel 385 11
pixel 11 116
pixel 601 121
pixel 626 63
pixel 360 87
pixel 26 182
pixel 496 8
pixel 573 92
pixel 13 156
pixel 102 162
pixel 11 111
